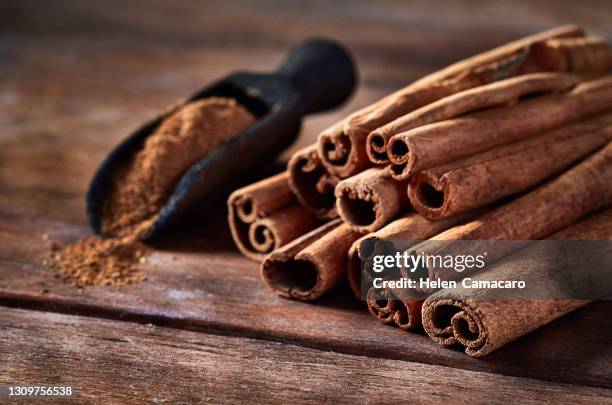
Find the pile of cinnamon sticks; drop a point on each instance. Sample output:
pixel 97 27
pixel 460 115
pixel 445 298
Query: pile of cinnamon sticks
pixel 511 144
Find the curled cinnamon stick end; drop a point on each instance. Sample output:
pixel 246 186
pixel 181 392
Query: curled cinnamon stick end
pixel 262 198
pixel 409 317
pixel 383 305
pixel 311 183
pixel 310 265
pixel 370 199
pixel 435 144
pixel 271 232
pixel 342 152
pixel 390 310
pixel 499 172
pixel 505 92
pixel 263 216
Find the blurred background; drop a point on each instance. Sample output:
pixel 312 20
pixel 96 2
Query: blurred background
pixel 90 72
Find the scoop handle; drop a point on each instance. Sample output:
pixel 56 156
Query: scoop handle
pixel 323 71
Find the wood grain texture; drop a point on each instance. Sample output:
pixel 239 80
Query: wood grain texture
pixel 202 284
pixel 120 361
pixel 76 77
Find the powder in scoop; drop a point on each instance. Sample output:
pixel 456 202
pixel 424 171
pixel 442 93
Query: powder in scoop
pixel 141 188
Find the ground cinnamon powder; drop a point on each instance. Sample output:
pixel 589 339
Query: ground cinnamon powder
pixel 98 261
pixel 141 188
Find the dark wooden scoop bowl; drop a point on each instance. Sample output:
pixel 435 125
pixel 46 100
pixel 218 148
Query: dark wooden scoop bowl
pixel 316 75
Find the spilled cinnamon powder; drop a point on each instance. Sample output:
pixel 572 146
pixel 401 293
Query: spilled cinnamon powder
pixel 140 189
pixel 98 261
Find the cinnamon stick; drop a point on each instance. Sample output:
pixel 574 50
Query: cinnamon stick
pixel 370 199
pixel 505 170
pixel 404 313
pixel 264 216
pixel 408 316
pixel 410 227
pixel 557 204
pixel 342 147
pixel 505 92
pixel 343 155
pixel 312 185
pixel 262 198
pixel 271 232
pixel 434 144
pixel 382 305
pixel 482 322
pixel 309 266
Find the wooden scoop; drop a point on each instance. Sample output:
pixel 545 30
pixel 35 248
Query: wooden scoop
pixel 316 75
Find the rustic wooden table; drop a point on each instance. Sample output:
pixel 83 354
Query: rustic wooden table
pixel 75 77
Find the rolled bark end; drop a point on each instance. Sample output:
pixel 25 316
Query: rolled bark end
pixel 334 148
pixel 262 198
pixel 382 305
pixel 359 211
pixel 281 227
pixel 240 233
pixel 262 237
pixel 398 150
pixel 449 322
pixel 428 196
pixel 289 277
pixel 397 171
pixel 389 309
pixel 370 200
pixel 311 183
pixel 310 265
pixel 343 152
pixel 376 148
pixel 483 324
pixel 467 329
pixel 244 209
pixel 400 156
pixel 256 201
pixel 408 317
pixel 326 275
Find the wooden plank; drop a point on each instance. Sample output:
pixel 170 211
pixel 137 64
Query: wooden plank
pixel 78 76
pixel 121 362
pixel 202 284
